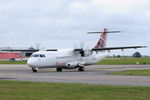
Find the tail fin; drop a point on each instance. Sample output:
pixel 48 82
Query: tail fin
pixel 102 41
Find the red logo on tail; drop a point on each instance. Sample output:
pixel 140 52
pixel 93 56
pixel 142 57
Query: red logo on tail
pixel 102 42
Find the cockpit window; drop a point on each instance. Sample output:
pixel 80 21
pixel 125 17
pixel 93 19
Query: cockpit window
pixel 37 55
pixel 41 55
pixel 44 56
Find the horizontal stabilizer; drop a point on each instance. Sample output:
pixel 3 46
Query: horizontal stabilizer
pixel 105 32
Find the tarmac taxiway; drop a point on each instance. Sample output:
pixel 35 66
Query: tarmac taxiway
pixel 95 74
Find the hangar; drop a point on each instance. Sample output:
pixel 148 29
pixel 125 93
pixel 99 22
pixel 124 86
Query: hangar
pixel 7 54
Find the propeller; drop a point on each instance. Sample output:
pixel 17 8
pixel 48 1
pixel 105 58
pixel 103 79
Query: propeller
pixel 38 46
pixel 81 45
pixel 85 49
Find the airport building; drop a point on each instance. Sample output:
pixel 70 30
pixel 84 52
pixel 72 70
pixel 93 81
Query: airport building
pixel 12 55
pixel 5 56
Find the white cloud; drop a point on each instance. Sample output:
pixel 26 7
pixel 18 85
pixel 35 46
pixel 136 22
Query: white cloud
pixel 53 22
pixel 120 6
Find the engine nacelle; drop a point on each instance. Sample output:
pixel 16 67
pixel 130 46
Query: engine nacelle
pixel 74 64
pixel 86 53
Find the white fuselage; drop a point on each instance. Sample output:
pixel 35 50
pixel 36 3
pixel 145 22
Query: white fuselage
pixel 62 58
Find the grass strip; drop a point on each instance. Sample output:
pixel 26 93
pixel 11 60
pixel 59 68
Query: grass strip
pixel 14 90
pixel 145 72
pixel 13 62
pixel 122 61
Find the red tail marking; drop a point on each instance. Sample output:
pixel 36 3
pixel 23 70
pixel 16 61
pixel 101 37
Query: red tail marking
pixel 102 42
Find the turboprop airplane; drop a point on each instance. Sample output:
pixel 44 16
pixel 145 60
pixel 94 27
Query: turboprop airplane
pixel 73 58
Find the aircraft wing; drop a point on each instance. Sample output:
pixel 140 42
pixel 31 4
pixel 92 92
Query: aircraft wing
pixel 112 48
pixel 21 50
pixel 26 50
pixel 117 48
pixel 94 49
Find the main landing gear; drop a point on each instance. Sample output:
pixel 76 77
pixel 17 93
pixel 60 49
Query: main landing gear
pixel 59 69
pixel 34 70
pixel 81 68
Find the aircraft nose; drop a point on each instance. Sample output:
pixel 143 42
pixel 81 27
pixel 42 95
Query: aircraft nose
pixel 30 62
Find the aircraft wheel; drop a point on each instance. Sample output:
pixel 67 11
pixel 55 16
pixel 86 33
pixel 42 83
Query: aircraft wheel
pixel 81 69
pixel 34 70
pixel 59 69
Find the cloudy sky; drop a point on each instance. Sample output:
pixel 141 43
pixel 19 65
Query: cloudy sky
pixel 63 23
